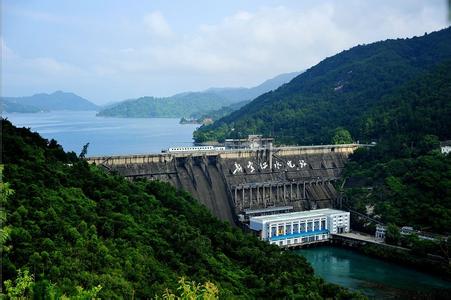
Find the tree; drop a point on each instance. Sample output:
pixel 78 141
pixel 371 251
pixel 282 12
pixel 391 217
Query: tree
pixel 84 151
pixel 393 234
pixel 428 142
pixel 341 136
pixel 22 287
pixel 5 192
pixel 193 291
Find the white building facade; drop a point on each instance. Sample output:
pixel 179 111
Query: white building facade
pixel 297 228
pixel 445 147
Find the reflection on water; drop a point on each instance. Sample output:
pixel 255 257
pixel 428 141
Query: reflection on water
pixel 106 136
pixel 375 278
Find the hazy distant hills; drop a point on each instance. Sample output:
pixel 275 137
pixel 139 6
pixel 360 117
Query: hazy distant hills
pixel 47 102
pixel 242 94
pixel 349 90
pixel 216 101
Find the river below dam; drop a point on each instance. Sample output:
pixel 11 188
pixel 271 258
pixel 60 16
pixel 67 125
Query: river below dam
pixel 375 278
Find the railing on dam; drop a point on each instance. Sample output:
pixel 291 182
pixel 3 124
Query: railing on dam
pixel 227 153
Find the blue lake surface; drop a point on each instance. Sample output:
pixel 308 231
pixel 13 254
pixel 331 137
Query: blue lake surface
pixel 106 136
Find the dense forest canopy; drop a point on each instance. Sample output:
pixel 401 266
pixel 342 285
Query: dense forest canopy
pixel 181 105
pixel 410 178
pixel 70 225
pixel 343 91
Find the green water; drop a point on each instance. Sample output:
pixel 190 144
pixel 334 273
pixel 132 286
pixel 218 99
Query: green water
pixel 373 277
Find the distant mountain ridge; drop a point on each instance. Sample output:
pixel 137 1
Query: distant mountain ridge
pixel 243 94
pixel 47 102
pixel 193 104
pixel 340 92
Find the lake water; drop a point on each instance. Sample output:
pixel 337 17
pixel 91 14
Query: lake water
pixel 106 136
pixel 375 278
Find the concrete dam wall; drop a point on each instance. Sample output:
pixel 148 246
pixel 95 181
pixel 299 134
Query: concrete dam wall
pixel 231 182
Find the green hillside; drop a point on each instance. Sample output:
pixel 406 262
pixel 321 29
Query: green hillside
pixel 212 103
pixel 72 225
pixel 340 92
pixel 222 112
pixel 410 179
pixel 181 105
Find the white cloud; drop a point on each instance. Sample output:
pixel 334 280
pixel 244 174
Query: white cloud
pixel 41 73
pixel 157 24
pixel 270 40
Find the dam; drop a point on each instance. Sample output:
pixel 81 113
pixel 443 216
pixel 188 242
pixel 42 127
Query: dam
pixel 235 184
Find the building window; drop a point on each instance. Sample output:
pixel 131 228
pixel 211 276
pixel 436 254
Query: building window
pixel 273 231
pixel 316 225
pixel 302 227
pixel 309 226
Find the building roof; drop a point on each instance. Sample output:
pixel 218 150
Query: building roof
pixel 296 215
pixel 268 209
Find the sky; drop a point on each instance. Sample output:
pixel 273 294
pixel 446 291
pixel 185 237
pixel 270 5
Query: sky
pixel 111 50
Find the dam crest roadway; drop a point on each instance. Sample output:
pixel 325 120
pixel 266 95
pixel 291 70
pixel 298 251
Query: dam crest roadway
pixel 235 184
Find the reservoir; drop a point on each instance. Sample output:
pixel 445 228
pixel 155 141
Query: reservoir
pixel 106 136
pixel 375 278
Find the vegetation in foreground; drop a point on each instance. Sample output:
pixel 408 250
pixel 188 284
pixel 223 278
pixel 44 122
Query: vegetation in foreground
pixel 75 229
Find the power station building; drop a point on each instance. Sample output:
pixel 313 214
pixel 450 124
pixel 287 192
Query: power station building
pixel 253 141
pixel 297 228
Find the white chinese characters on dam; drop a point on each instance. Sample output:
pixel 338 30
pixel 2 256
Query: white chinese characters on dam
pixel 252 167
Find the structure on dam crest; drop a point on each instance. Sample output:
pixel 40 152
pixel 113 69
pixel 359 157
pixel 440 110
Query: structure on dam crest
pixel 241 183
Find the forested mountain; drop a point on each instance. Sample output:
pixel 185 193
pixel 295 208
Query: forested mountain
pixel 180 105
pixel 343 91
pixel 212 103
pixel 46 102
pixel 410 179
pixel 72 225
pixel 219 113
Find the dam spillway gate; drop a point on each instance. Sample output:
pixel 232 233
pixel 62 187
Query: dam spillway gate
pixel 232 183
